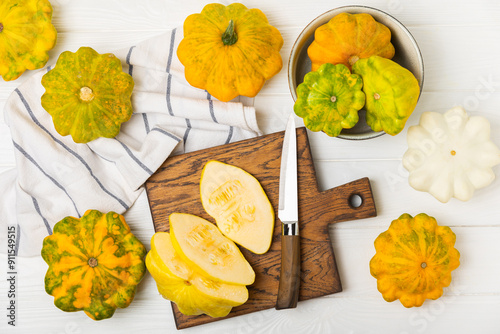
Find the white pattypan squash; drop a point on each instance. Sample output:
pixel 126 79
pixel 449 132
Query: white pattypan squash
pixel 450 154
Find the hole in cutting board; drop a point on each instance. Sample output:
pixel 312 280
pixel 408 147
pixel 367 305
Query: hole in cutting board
pixel 355 201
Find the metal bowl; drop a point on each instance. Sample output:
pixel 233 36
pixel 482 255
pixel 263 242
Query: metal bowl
pixel 407 55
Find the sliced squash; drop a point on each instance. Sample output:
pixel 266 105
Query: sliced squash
pixel 203 247
pixel 239 205
pixel 193 293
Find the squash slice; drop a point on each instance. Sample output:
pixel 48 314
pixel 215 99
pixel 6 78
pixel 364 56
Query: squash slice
pixel 193 293
pixel 201 245
pixel 239 205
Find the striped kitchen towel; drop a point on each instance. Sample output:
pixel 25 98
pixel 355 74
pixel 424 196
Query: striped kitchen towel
pixel 55 177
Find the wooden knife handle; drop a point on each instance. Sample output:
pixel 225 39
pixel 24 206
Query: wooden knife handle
pixel 288 290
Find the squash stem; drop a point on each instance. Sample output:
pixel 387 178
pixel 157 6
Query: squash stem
pixel 92 262
pixel 86 94
pixel 229 36
pixel 353 59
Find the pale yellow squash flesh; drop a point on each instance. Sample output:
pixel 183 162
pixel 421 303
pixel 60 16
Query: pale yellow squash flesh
pixel 192 293
pixel 202 246
pixel 239 205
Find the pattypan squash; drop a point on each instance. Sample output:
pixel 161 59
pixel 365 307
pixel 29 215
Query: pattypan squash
pixel 229 50
pixel 451 154
pixel 391 93
pixel 414 259
pixel 349 37
pixel 88 95
pixel 95 264
pixel 329 99
pixel 26 35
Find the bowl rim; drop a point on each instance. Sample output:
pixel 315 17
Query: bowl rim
pixel 300 37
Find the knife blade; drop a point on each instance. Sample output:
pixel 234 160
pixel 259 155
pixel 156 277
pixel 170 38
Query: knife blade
pixel 289 283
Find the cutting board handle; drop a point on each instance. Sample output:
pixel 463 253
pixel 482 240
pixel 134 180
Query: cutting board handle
pixel 344 200
pixel 353 200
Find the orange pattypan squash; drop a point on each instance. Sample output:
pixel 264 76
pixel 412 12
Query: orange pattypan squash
pixel 414 260
pixel 349 37
pixel 229 50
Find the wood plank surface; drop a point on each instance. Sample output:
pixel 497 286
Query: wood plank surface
pixel 175 188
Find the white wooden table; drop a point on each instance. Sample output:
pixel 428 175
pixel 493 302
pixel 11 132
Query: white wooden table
pixel 460 43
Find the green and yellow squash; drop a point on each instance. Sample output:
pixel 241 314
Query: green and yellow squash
pixel 391 91
pixel 88 95
pixel 329 99
pixel 95 264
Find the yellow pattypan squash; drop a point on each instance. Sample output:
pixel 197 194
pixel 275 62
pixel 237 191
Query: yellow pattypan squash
pixel 229 50
pixel 26 34
pixel 414 260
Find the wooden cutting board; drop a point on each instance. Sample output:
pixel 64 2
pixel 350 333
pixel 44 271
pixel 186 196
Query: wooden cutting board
pixel 175 188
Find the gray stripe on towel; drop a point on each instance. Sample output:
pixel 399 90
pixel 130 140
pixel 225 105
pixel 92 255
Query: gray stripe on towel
pixel 211 107
pixel 228 140
pixel 171 51
pixel 130 66
pixel 32 115
pixel 131 71
pixel 188 123
pixel 168 134
pixel 30 158
pixel 169 104
pixel 146 122
pixel 139 162
pixel 169 63
pixel 37 208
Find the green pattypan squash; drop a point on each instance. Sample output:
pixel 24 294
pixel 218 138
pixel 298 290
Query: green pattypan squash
pixel 391 93
pixel 329 99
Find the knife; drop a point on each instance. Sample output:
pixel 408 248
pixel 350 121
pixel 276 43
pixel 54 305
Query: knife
pixel 288 291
